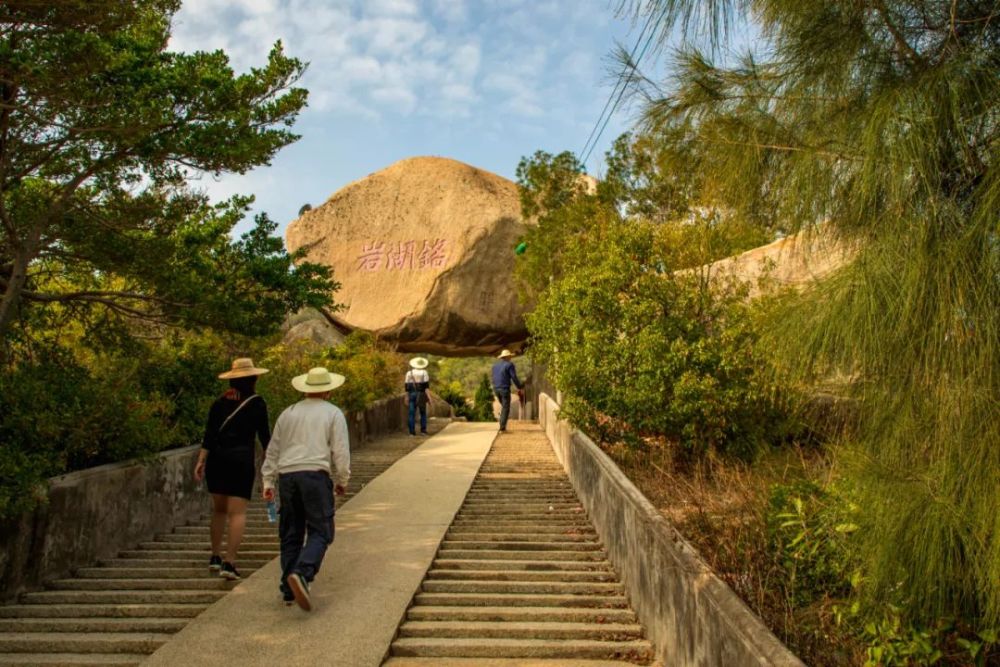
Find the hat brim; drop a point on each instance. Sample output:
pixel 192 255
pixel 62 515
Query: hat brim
pixel 418 363
pixel 504 355
pixel 242 373
pixel 299 383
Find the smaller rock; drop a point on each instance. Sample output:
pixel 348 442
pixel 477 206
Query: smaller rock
pixel 318 332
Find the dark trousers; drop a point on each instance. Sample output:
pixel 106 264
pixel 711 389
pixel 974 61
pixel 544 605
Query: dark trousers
pixel 306 516
pixel 503 395
pixel 415 405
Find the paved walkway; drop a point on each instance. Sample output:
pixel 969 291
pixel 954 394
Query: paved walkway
pixel 386 540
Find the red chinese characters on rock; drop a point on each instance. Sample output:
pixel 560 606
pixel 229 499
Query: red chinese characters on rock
pixel 403 255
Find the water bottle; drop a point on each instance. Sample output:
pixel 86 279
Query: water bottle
pixel 272 511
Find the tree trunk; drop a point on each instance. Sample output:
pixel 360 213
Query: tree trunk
pixel 12 292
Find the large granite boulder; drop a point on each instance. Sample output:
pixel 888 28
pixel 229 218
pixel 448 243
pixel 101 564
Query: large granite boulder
pixel 424 251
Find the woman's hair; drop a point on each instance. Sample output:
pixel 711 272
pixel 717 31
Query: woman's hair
pixel 245 386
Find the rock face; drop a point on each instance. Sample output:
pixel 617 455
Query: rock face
pixel 794 261
pixel 424 251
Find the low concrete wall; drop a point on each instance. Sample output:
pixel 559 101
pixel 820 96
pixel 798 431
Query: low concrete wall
pixel 95 513
pixel 692 616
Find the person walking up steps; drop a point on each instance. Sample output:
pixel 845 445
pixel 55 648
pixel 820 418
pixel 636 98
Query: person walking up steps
pixel 306 436
pixel 226 460
pixel 416 382
pixel 504 373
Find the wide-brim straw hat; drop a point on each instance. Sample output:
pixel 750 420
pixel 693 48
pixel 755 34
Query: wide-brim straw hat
pixel 505 353
pixel 242 367
pixel 418 362
pixel 317 380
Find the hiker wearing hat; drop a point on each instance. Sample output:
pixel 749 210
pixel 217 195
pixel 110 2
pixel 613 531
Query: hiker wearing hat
pixel 504 373
pixel 306 436
pixel 226 459
pixel 416 382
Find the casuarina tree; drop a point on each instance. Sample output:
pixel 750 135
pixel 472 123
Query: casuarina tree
pixel 878 121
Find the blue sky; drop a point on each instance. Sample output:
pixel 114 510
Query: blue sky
pixel 481 81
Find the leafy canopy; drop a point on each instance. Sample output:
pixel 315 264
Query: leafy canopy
pixel 100 127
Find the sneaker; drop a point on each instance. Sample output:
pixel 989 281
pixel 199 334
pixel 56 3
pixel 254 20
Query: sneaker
pixel 300 589
pixel 423 433
pixel 287 598
pixel 229 572
pixel 214 564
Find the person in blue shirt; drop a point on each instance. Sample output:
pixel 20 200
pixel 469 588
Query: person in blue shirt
pixel 504 373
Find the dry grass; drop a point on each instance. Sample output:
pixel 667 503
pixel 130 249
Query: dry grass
pixel 721 506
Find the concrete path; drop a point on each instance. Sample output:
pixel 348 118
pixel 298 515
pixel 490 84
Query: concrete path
pixel 386 539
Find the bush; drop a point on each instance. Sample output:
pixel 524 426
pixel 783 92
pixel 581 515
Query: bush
pixel 639 351
pixel 482 407
pixel 57 416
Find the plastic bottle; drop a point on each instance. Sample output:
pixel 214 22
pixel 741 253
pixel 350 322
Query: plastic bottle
pixel 272 511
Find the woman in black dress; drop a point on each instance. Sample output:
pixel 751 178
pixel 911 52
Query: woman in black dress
pixel 227 462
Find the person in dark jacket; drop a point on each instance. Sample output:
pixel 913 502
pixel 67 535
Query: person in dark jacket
pixel 416 384
pixel 504 374
pixel 227 459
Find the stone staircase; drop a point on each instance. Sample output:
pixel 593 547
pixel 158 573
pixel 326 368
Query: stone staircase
pixel 122 609
pixel 521 576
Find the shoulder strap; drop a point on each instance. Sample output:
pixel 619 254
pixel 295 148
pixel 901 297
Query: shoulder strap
pixel 238 408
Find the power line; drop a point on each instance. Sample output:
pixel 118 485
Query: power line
pixel 621 78
pixel 629 68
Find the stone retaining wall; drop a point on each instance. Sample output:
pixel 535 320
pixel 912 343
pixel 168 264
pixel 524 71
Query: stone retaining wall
pixel 691 616
pixel 95 513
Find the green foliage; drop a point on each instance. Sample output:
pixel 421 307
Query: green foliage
pixel 878 121
pixel 102 128
pixel 641 351
pixel 810 529
pixel 453 395
pixel 373 371
pixel 59 413
pixel 482 407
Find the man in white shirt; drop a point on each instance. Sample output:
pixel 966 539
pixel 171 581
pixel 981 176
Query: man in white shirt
pixel 415 383
pixel 305 438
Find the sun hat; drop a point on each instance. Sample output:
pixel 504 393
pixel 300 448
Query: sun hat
pixel 418 362
pixel 317 380
pixel 242 367
pixel 505 353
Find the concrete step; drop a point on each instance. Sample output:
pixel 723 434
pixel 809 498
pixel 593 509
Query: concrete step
pixel 523 587
pixel 122 597
pixel 522 630
pixel 531 565
pixel 499 535
pixel 200 555
pixel 500 662
pixel 521 614
pixel 70 659
pixel 268 530
pixel 514 504
pixel 92 624
pixel 205 582
pixel 520 545
pixel 535 528
pixel 157 573
pixel 179 564
pixel 81 642
pixel 520 575
pixel 54 610
pixel 520 600
pixel 181 541
pixel 638 651
pixel 453 552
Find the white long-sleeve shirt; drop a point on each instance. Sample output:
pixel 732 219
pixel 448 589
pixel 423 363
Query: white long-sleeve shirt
pixel 306 436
